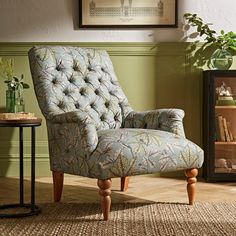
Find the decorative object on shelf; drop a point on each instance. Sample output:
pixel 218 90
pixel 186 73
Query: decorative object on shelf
pixel 225 43
pixel 222 165
pixel 224 95
pixel 15 86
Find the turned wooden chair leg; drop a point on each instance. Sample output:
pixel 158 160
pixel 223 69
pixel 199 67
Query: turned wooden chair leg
pixel 191 186
pixel 58 178
pixel 105 192
pixel 124 183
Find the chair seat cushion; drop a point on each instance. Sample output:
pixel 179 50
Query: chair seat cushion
pixel 127 152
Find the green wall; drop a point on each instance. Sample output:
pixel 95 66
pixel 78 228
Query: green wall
pixel 152 76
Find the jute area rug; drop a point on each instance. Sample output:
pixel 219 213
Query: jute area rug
pixel 127 219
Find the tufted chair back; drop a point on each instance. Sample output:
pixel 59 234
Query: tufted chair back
pixel 71 78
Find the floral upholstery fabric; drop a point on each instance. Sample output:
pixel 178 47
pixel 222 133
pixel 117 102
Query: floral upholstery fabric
pixel 92 130
pixel 127 152
pixel 164 119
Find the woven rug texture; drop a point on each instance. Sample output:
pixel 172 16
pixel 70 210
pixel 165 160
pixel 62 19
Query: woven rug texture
pixel 126 219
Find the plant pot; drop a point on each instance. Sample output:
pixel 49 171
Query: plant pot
pixel 221 59
pixel 14 101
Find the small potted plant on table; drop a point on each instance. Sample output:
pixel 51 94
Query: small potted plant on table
pixel 15 87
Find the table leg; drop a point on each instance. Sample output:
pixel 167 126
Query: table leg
pixel 31 208
pixel 21 167
pixel 32 168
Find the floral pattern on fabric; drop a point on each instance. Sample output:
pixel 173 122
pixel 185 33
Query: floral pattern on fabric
pixel 170 120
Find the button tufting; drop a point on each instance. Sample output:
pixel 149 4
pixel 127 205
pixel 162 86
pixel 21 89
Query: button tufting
pixel 100 79
pixel 54 81
pixel 89 68
pixel 71 80
pixel 107 104
pixel 102 117
pixel 77 105
pixel 96 91
pixel 66 92
pixel 82 91
pixel 75 68
pixel 86 79
pixel 58 68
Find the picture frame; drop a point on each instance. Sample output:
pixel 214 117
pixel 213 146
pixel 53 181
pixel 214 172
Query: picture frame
pixel 128 13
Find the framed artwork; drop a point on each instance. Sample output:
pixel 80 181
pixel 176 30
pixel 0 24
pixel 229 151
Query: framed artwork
pixel 127 13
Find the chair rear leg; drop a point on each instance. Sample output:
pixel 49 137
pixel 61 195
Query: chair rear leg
pixel 124 183
pixel 105 192
pixel 191 186
pixel 58 178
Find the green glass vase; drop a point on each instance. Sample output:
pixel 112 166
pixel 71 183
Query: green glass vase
pixel 14 101
pixel 221 59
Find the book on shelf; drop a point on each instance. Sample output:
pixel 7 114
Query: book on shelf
pixel 226 131
pixel 221 129
pixel 230 132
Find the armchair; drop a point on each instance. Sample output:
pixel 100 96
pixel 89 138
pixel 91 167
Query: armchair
pixel 93 131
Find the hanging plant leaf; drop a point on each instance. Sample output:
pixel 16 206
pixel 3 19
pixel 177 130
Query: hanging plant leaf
pixel 225 41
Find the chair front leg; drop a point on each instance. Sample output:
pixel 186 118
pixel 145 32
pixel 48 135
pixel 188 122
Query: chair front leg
pixel 124 183
pixel 191 186
pixel 58 178
pixel 105 192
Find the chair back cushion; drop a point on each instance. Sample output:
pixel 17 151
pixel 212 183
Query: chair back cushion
pixel 71 78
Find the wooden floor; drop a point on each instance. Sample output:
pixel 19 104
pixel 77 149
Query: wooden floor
pixel 141 189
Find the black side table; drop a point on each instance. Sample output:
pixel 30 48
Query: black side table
pixel 32 208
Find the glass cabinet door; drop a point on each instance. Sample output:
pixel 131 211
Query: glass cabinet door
pixel 219 125
pixel 225 125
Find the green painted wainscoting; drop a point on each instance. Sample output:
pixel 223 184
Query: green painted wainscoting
pixel 152 76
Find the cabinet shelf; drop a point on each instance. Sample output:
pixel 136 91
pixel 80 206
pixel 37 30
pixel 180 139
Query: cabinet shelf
pixel 225 143
pixel 225 107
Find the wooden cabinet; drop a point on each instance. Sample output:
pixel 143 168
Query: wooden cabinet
pixel 219 125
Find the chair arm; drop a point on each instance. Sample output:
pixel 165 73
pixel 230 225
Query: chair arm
pixel 68 117
pixel 88 133
pixel 170 120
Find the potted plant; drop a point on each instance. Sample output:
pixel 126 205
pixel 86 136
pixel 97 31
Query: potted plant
pixel 225 43
pixel 15 86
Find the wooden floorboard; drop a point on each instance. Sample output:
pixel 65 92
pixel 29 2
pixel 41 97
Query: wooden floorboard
pixel 141 189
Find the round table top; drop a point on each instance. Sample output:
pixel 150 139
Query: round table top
pixel 20 122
